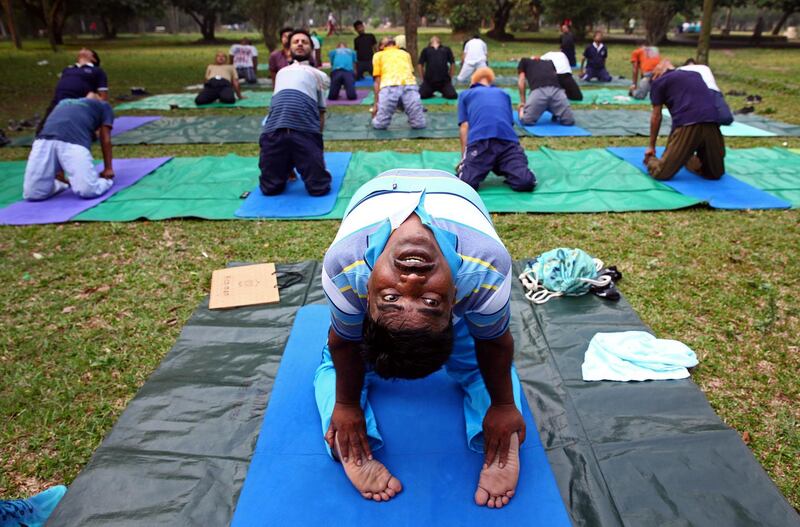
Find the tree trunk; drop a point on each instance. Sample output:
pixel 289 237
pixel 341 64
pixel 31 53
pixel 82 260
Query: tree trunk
pixel 704 42
pixel 109 28
pixel 173 22
pixel 759 26
pixel 728 18
pixel 657 16
pixel 500 16
pixel 12 26
pixel 208 26
pixel 777 29
pixel 411 22
pixel 536 18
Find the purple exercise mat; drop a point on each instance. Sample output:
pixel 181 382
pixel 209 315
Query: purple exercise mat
pixel 127 123
pixel 343 101
pixel 66 205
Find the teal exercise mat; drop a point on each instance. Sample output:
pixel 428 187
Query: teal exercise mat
pixel 608 97
pixel 777 127
pixel 422 425
pixel 199 187
pixel 167 101
pixel 568 181
pixel 774 170
pixel 648 453
pixel 12 175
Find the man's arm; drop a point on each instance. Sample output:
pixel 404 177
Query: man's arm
pixel 105 146
pixel 503 418
pixel 255 64
pixel 635 75
pixel 347 422
pixel 230 59
pixel 322 120
pixel 521 87
pixel 462 135
pixel 376 89
pixel 236 86
pixel 655 126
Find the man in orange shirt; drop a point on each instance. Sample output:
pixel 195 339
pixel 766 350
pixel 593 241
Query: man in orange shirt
pixel 644 59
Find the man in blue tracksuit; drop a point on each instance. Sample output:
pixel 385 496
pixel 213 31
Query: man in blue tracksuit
pixel 594 60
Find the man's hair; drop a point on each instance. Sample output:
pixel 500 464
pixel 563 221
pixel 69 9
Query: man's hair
pixel 357 23
pixel 482 73
pixel 390 41
pixel 690 61
pixel 286 29
pixel 95 58
pixel 300 32
pixel 404 353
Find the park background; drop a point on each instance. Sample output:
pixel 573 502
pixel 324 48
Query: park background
pixel 90 309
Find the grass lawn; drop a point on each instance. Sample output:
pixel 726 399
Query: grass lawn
pixel 91 309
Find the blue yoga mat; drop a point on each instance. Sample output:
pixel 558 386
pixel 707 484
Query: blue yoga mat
pixel 724 193
pixel 292 481
pixel 295 202
pixel 366 82
pixel 545 127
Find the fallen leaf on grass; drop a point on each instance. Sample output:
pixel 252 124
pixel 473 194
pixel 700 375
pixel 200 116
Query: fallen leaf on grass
pixel 38 256
pixel 68 309
pixel 746 438
pixel 171 321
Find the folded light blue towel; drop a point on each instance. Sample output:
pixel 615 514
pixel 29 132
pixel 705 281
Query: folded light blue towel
pixel 636 356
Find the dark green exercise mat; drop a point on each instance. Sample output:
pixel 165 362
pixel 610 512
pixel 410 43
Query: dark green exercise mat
pixel 200 187
pixel 166 101
pixel 568 181
pixel 623 454
pixel 775 170
pixel 195 130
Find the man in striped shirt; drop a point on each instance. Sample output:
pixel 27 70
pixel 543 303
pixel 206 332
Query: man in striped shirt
pixel 417 279
pixel 292 134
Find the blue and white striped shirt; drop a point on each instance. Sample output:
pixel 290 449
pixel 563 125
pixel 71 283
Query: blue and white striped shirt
pixel 299 96
pixel 479 262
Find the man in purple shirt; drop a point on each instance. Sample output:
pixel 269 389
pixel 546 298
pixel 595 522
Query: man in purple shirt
pixel 695 140
pixel 281 57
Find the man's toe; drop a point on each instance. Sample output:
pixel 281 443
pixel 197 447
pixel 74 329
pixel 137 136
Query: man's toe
pixel 505 500
pixel 367 495
pixel 481 496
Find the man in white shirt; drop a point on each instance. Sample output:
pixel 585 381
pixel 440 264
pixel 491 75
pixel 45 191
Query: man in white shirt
pixel 564 72
pixel 474 56
pixel 244 57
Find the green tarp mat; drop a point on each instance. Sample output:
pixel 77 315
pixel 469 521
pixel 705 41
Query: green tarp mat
pixel 356 126
pixel 254 99
pixel 201 187
pixel 624 454
pixel 568 181
pixel 774 170
pixel 777 127
pixel 438 99
pixel 12 174
pixel 739 129
pixel 605 96
pixel 795 150
pixel 195 130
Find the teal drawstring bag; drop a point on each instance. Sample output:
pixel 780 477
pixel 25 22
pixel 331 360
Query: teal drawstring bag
pixel 560 272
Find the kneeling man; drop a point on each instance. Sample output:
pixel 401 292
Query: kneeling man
pixel 292 134
pixel 416 279
pixel 64 145
pixel 695 140
pixel 395 84
pixel 488 140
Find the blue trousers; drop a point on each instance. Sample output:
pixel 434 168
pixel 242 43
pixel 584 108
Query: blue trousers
pixel 505 158
pixel 600 74
pixel 341 78
pixel 284 150
pixel 461 367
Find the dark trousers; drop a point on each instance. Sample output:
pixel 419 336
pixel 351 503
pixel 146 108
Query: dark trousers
pixel 596 72
pixel 363 67
pixel 427 90
pixel 570 87
pixel 504 158
pixel 284 150
pixel 344 78
pixel 700 147
pixel 214 89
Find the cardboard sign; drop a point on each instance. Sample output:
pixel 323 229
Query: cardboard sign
pixel 244 286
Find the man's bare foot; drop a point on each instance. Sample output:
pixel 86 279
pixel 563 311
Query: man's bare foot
pixel 496 485
pixel 371 478
pixel 694 165
pixel 61 177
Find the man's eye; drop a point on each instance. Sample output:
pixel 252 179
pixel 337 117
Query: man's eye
pixel 430 302
pixel 390 298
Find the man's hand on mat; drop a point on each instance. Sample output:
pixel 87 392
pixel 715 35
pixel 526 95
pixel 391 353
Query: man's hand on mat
pixel 496 485
pixel 61 177
pixel 108 173
pixel 350 428
pixel 500 422
pixel 372 479
pixel 649 152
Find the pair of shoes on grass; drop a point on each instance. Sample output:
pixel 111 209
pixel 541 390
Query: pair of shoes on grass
pixel 33 511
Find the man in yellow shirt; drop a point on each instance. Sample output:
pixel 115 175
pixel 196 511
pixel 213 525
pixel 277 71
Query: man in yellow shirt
pixel 395 84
